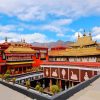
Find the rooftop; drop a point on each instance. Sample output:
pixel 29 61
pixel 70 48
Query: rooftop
pixel 86 64
pixel 19 49
pixel 76 52
pixel 84 41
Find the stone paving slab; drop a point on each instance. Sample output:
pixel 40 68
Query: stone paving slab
pixel 92 92
pixel 9 94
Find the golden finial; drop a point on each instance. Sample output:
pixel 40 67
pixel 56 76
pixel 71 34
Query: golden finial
pixel 89 33
pixel 78 35
pixel 84 33
pixel 23 40
pixel 6 39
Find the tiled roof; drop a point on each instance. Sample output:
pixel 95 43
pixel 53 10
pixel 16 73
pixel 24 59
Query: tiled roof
pixel 76 52
pixel 88 64
pixel 83 41
pixel 19 49
pixel 17 63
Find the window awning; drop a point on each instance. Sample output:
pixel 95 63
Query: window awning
pixel 17 63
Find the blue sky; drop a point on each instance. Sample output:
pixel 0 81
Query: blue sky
pixel 48 20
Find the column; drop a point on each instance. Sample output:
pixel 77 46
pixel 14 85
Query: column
pixel 69 84
pixel 18 70
pixel 22 70
pixel 72 83
pixel 0 69
pixel 65 85
pixel 60 84
pixel 50 82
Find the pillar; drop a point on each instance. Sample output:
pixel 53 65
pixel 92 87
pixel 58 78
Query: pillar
pixel 65 85
pixel 0 69
pixel 22 70
pixel 72 84
pixel 69 85
pixel 18 70
pixel 50 82
pixel 60 84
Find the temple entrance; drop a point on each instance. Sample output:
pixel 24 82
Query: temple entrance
pixel 34 83
pixel 47 82
pixel 54 81
pixel 3 69
pixel 63 84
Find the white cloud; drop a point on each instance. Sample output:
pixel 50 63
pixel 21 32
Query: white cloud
pixel 31 14
pixel 96 33
pixel 7 28
pixel 30 38
pixel 75 36
pixel 39 9
pixel 77 33
pixel 61 22
pixel 97 37
pixel 57 26
pixel 96 30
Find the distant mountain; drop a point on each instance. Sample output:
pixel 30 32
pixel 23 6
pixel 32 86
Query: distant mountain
pixel 53 44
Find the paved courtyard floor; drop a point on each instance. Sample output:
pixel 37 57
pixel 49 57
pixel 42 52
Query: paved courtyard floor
pixel 91 92
pixel 9 94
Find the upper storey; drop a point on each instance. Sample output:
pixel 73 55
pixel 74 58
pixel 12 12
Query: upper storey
pixel 84 46
pixel 19 48
pixel 84 41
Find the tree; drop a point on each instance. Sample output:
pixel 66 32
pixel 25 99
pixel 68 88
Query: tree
pixel 6 77
pixel 28 84
pixel 41 89
pixel 8 72
pixel 54 89
pixel 14 80
pixel 37 87
pixel 0 75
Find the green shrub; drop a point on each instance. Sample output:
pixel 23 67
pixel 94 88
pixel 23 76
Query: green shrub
pixel 14 80
pixel 8 72
pixel 6 76
pixel 37 87
pixel 28 84
pixel 41 89
pixel 0 75
pixel 54 89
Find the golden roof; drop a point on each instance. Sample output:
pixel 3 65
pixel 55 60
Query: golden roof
pixel 83 41
pixel 19 49
pixel 16 63
pixel 76 52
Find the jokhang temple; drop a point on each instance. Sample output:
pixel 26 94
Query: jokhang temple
pixel 75 64
pixel 67 65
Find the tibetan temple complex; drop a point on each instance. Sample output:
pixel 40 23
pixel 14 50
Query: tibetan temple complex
pixel 67 65
pixel 75 64
pixel 57 73
pixel 19 57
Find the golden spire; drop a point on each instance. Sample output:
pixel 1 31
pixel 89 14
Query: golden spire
pixel 89 33
pixel 6 39
pixel 84 33
pixel 78 35
pixel 23 40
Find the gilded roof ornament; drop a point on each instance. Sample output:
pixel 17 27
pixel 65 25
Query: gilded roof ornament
pixel 6 39
pixel 84 33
